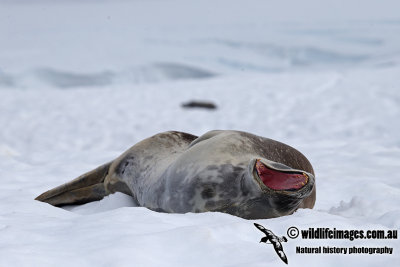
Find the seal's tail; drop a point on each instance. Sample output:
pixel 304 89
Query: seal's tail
pixel 86 188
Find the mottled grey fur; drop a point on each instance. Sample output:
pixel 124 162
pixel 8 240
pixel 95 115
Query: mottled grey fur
pixel 177 172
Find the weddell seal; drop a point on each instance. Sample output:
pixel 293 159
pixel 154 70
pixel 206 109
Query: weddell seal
pixel 227 171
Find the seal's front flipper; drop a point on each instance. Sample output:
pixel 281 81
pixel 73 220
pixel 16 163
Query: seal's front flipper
pixel 86 188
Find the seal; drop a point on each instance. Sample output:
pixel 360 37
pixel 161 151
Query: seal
pixel 224 171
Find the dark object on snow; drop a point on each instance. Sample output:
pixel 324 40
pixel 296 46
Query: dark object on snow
pixel 199 104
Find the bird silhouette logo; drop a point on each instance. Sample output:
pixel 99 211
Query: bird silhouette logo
pixel 274 240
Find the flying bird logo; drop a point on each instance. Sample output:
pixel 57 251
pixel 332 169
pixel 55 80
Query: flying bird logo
pixel 274 240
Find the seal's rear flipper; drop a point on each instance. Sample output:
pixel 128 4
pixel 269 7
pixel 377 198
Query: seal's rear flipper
pixel 86 188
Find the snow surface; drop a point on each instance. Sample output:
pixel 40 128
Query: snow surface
pixel 82 81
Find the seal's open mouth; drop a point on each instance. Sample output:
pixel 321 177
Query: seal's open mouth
pixel 280 180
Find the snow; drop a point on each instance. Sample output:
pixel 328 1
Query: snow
pixel 82 81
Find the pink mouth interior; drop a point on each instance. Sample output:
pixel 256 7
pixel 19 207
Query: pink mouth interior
pixel 279 180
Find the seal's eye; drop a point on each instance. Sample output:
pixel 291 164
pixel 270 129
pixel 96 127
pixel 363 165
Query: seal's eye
pixel 280 180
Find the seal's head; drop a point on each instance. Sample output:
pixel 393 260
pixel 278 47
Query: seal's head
pixel 283 189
